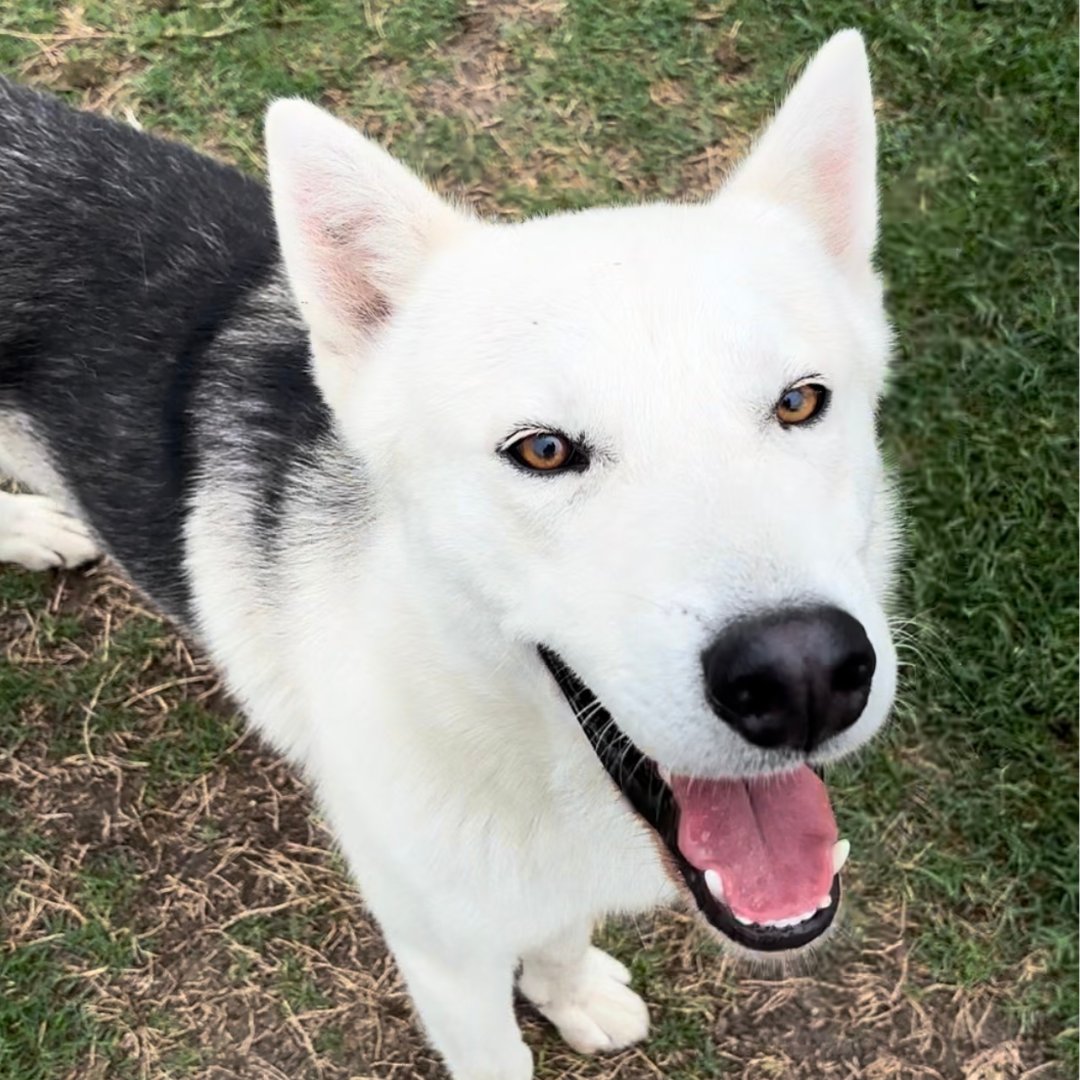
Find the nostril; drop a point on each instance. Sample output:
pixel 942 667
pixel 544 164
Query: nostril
pixel 751 695
pixel 853 673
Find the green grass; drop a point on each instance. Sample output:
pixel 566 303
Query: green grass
pixel 974 789
pixel 44 1028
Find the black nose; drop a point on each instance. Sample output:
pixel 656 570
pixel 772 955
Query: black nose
pixel 792 677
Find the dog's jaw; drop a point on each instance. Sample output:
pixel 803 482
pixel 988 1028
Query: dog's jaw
pixel 648 788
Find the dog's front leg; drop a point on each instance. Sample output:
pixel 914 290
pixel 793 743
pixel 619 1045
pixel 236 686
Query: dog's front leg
pixel 584 993
pixel 465 1001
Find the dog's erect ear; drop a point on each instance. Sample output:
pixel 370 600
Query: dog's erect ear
pixel 818 156
pixel 355 228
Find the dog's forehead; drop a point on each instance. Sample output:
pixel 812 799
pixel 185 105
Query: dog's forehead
pixel 637 297
pixel 653 254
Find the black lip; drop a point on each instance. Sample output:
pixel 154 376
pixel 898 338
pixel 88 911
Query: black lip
pixel 638 779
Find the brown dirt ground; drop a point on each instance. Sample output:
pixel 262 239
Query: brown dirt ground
pixel 241 844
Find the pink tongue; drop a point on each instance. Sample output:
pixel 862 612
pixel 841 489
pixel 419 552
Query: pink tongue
pixel 770 839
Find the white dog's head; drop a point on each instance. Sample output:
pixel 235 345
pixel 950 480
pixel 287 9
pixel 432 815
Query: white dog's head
pixel 642 442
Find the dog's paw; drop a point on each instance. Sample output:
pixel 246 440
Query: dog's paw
pixel 599 1012
pixel 38 533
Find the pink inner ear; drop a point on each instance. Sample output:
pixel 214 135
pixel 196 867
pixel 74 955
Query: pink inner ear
pixel 830 168
pixel 344 267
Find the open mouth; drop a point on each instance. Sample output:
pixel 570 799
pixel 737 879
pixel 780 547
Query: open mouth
pixel 760 856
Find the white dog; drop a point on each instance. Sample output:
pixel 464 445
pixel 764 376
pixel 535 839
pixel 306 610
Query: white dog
pixel 554 553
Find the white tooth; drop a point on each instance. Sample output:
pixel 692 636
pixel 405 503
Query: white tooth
pixel 824 902
pixel 783 924
pixel 716 886
pixel 745 922
pixel 840 853
pixel 665 774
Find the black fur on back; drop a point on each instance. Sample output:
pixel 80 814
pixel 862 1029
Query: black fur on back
pixel 123 259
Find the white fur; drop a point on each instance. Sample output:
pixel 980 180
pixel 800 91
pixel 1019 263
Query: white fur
pixel 819 155
pixel 587 996
pixel 43 531
pixel 475 816
pixel 355 228
pixel 39 534
pixel 398 664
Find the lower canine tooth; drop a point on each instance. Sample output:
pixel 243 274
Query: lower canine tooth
pixel 824 902
pixel 716 886
pixel 840 853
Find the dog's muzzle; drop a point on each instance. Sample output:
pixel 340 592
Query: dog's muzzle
pixel 760 856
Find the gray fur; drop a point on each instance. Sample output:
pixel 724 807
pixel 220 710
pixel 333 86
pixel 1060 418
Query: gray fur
pixel 148 341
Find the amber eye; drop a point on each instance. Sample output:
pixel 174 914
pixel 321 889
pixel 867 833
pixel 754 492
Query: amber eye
pixel 545 451
pixel 801 403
